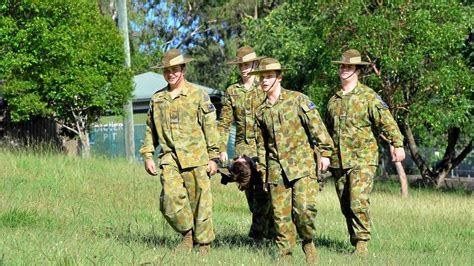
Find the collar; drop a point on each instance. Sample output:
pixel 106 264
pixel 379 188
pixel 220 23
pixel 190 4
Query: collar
pixel 184 91
pixel 356 90
pixel 240 86
pixel 283 95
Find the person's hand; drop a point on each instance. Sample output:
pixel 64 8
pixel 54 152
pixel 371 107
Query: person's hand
pixel 398 154
pixel 324 163
pixel 211 167
pixel 150 166
pixel 223 157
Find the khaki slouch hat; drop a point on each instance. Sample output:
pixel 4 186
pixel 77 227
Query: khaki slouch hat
pixel 244 55
pixel 268 64
pixel 172 58
pixel 351 57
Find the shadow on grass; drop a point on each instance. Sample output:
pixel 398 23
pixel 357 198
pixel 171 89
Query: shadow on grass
pixel 155 239
pixel 231 241
pixel 332 244
pixel 151 239
pixel 239 240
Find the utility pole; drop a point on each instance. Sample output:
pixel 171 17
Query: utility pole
pixel 128 107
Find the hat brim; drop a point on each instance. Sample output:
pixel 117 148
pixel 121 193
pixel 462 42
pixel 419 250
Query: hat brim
pixel 258 72
pixel 185 61
pixel 347 63
pixel 245 61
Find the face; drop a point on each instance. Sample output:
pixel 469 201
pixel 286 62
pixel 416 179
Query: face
pixel 348 72
pixel 173 75
pixel 245 68
pixel 269 81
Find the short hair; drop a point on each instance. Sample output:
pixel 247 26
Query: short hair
pixel 241 172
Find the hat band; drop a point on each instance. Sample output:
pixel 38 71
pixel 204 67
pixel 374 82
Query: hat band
pixel 352 60
pixel 176 60
pixel 249 57
pixel 272 66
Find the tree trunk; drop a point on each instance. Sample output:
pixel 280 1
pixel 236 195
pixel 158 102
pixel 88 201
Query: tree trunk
pixel 85 145
pixel 441 178
pixel 426 173
pixel 436 176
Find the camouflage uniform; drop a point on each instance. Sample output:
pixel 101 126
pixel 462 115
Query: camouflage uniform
pixel 185 129
pixel 289 128
pixel 351 120
pixel 239 106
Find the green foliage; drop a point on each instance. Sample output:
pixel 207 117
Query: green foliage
pixel 209 31
pixel 420 49
pixel 61 59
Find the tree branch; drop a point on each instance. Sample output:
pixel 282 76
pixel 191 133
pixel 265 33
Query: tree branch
pixel 453 136
pixel 68 128
pixel 462 155
pixel 417 158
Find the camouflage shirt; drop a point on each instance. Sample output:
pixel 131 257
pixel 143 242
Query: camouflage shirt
pixel 291 129
pixel 184 127
pixel 239 106
pixel 352 119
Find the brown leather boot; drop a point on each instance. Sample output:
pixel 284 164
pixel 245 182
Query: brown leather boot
pixel 186 244
pixel 361 248
pixel 204 249
pixel 310 251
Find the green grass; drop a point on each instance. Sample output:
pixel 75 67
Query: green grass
pixel 64 210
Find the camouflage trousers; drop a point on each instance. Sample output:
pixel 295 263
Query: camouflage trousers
pixel 353 187
pixel 260 205
pixel 186 201
pixel 294 211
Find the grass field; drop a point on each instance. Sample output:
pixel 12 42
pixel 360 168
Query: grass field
pixel 64 210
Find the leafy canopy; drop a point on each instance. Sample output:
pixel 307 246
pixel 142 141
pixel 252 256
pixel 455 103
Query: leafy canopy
pixel 61 59
pixel 420 48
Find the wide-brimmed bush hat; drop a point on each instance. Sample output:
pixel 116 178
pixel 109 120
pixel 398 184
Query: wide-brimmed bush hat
pixel 351 57
pixel 268 64
pixel 244 55
pixel 171 58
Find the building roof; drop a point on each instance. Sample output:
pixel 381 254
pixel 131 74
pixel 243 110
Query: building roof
pixel 148 83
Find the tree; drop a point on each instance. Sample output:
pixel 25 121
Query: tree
pixel 64 60
pixel 207 30
pixel 420 51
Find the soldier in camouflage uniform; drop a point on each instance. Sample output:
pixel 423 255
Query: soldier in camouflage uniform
pixel 239 105
pixel 291 131
pixel 182 119
pixel 353 114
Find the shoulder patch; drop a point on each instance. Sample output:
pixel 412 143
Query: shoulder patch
pixel 205 98
pixel 208 108
pixel 384 104
pixel 211 107
pixel 306 104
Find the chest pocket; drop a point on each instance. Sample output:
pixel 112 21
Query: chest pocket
pixel 234 99
pixel 160 112
pixel 358 114
pixel 160 108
